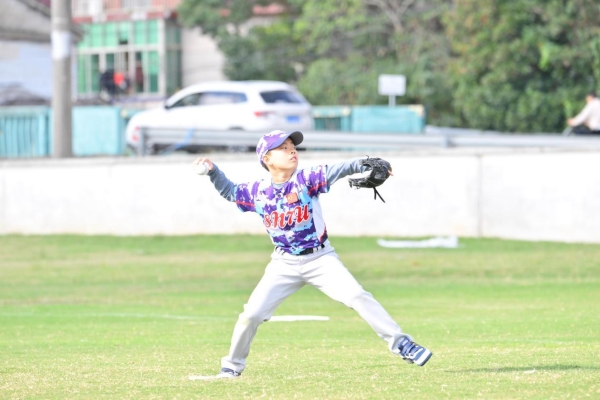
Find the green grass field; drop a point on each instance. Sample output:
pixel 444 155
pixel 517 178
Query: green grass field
pixel 132 318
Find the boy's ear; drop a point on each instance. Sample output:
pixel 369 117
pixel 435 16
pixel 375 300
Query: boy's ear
pixel 265 159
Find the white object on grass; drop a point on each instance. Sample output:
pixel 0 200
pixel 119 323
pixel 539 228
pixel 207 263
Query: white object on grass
pixel 209 377
pixel 449 242
pixel 201 169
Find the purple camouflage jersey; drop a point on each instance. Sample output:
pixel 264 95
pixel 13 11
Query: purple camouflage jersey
pixel 291 211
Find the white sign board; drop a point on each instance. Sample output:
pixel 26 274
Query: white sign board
pixel 61 45
pixel 392 85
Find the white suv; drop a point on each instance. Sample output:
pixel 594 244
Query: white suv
pixel 228 105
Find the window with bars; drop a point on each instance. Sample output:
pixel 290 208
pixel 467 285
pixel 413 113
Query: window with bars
pixel 112 34
pixel 131 48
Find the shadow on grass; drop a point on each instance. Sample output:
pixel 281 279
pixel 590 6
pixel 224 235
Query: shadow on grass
pixel 530 369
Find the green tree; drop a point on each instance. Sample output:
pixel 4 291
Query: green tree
pixel 266 52
pixel 336 49
pixel 354 41
pixel 518 66
pixel 259 52
pixel 217 18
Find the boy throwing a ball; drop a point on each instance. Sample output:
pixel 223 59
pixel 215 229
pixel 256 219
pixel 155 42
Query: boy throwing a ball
pixel 288 204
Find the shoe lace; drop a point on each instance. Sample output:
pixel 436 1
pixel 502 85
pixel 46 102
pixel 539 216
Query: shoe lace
pixel 230 372
pixel 409 348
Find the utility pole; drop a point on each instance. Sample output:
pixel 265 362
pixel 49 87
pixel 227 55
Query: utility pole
pixel 61 78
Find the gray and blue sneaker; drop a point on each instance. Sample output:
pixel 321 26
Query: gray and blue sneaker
pixel 228 373
pixel 413 353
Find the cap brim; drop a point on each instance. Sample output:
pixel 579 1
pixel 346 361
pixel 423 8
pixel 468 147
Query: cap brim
pixel 297 137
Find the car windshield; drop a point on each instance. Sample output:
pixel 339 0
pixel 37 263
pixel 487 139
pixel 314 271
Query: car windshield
pixel 281 96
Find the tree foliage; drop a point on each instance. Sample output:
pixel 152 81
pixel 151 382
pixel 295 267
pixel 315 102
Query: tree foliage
pixel 518 66
pixel 259 52
pixel 502 65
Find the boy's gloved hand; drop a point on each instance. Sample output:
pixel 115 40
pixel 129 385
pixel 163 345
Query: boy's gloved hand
pixel 378 170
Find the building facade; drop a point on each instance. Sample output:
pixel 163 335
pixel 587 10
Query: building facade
pixel 26 51
pixel 140 46
pixel 130 48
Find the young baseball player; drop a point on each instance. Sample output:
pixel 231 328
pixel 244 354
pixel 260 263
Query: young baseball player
pixel 288 204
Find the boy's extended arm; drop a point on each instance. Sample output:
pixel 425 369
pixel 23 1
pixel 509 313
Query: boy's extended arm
pixel 342 169
pixel 224 186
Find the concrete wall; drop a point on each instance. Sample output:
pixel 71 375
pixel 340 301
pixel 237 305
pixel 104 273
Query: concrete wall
pixel 524 194
pixel 541 196
pixel 201 60
pixel 28 65
pixel 21 21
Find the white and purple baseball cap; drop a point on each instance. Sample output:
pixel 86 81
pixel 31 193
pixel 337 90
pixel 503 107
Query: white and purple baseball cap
pixel 274 139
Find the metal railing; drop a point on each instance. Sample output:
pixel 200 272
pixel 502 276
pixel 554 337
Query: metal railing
pixel 360 141
pixel 24 132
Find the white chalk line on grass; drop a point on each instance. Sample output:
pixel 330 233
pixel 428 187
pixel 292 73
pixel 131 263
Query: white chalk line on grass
pixel 277 318
pixel 290 318
pixel 208 378
pixel 110 315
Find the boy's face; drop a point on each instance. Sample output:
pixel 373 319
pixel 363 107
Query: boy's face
pixel 283 157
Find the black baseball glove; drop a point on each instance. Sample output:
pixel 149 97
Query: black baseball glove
pixel 378 170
